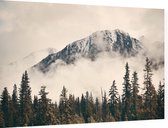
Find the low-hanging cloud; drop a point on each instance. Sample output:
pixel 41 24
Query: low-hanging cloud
pixel 92 76
pixel 84 75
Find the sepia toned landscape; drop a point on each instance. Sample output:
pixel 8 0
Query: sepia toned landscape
pixel 75 64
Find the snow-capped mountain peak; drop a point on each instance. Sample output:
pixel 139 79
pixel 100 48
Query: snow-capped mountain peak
pixel 111 42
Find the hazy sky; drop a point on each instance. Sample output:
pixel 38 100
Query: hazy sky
pixel 28 27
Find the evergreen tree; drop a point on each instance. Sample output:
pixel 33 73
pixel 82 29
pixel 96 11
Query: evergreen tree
pixel 25 101
pixel 91 108
pixel 160 101
pixel 88 111
pixel 83 108
pixel 97 111
pixel 5 106
pixel 135 99
pixel 105 109
pixel 150 96
pixel 36 111
pixel 10 116
pixel 77 106
pixel 72 104
pixel 86 107
pixel 74 110
pixel 119 107
pixel 64 107
pixel 126 97
pixel 46 115
pixel 114 101
pixel 15 106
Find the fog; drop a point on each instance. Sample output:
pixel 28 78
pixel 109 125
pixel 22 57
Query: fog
pixel 93 76
pixel 84 75
pixel 29 27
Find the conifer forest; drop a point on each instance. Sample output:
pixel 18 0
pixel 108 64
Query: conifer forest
pixel 20 108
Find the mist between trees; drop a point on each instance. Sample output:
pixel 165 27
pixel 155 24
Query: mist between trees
pixel 21 109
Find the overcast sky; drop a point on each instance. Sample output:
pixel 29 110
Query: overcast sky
pixel 28 27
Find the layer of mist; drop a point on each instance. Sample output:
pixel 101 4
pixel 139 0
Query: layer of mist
pixel 84 75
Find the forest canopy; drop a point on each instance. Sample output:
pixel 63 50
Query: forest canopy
pixel 21 109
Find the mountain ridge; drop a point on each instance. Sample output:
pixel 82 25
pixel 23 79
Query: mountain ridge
pixel 111 42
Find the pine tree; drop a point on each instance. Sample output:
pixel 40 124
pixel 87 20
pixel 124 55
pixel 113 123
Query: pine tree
pixel 77 106
pixel 46 115
pixel 160 101
pixel 114 101
pixel 150 96
pixel 135 97
pixel 72 104
pixel 97 111
pixel 11 114
pixel 83 108
pixel 64 107
pixel 5 106
pixel 119 107
pixel 35 111
pixel 105 109
pixel 126 97
pixel 88 106
pixel 74 110
pixel 91 108
pixel 88 111
pixel 106 115
pixel 86 103
pixel 25 101
pixel 15 107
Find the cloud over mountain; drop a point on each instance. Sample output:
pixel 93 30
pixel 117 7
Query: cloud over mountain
pixel 115 42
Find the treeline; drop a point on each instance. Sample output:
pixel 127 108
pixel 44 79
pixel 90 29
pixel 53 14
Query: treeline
pixel 19 109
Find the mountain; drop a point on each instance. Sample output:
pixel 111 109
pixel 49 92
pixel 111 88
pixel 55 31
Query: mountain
pixel 31 59
pixel 112 42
